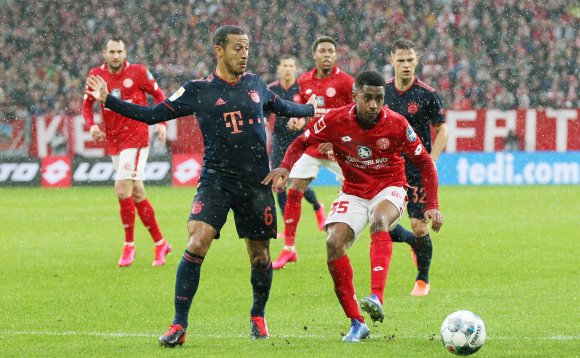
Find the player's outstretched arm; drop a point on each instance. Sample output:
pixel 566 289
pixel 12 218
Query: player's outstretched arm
pixel 278 177
pixel 97 87
pixel 435 217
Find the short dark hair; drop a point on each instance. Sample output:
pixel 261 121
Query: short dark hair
pixel 368 78
pixel 220 36
pixel 402 44
pixel 114 38
pixel 322 39
pixel 287 57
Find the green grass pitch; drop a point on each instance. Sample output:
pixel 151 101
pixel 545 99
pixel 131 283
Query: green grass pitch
pixel 510 254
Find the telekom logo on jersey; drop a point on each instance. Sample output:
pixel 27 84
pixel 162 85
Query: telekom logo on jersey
pixel 235 120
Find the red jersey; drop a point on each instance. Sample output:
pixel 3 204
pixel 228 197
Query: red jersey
pixel 332 92
pixel 130 84
pixel 370 159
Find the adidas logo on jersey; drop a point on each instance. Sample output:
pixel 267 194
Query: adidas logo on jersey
pixel 219 102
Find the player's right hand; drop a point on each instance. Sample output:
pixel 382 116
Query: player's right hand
pixel 97 87
pixel 296 124
pixel 278 177
pixel 96 133
pixel 436 217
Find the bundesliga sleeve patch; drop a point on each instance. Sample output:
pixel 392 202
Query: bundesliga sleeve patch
pixel 411 136
pixel 319 126
pixel 177 94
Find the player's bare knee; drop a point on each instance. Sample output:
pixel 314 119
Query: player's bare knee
pixel 419 228
pixel 378 224
pixel 260 261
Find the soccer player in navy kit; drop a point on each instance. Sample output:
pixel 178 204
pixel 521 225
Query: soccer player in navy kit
pixel 287 88
pixel 421 106
pixel 229 105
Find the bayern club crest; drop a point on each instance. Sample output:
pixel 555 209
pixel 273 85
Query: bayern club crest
pixel 254 96
pixel 196 207
pixel 412 108
pixel 383 143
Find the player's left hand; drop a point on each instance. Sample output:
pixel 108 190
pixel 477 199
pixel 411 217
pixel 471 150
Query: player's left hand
pixel 161 131
pixel 436 217
pixel 97 87
pixel 278 177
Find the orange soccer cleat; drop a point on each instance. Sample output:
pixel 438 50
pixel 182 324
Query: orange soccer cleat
pixel 421 288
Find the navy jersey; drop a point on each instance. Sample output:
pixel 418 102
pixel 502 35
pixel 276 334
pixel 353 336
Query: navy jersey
pixel 231 119
pixel 420 105
pixel 282 136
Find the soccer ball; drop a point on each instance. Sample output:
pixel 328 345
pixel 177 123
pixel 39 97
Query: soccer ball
pixel 463 333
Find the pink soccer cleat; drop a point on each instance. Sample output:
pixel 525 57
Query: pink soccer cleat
pixel 320 217
pixel 127 256
pixel 160 252
pixel 285 257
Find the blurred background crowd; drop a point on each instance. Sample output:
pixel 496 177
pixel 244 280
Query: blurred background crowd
pixel 477 53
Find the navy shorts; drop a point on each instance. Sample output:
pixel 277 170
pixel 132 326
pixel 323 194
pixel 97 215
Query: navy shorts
pixel 417 197
pixel 253 207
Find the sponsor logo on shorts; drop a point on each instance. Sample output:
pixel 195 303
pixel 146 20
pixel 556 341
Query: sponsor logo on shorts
pixel 196 207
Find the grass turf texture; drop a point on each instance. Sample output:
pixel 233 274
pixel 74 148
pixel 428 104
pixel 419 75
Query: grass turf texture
pixel 510 254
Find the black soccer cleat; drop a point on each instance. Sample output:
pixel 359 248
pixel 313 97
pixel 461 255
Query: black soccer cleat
pixel 175 336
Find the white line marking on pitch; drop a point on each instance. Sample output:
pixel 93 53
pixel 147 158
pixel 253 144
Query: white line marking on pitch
pixel 221 336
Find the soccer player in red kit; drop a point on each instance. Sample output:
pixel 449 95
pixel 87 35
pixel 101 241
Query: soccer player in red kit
pixel 128 143
pixel 333 89
pixel 368 142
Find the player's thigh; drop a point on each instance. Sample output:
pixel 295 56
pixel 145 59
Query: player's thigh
pixel 307 167
pixel 387 207
pixel 334 168
pixel 350 210
pixel 255 213
pixel 201 235
pixel 130 163
pixel 211 205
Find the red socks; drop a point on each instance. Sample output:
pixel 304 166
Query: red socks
pixel 342 275
pixel 292 215
pixel 380 253
pixel 128 218
pixel 147 215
